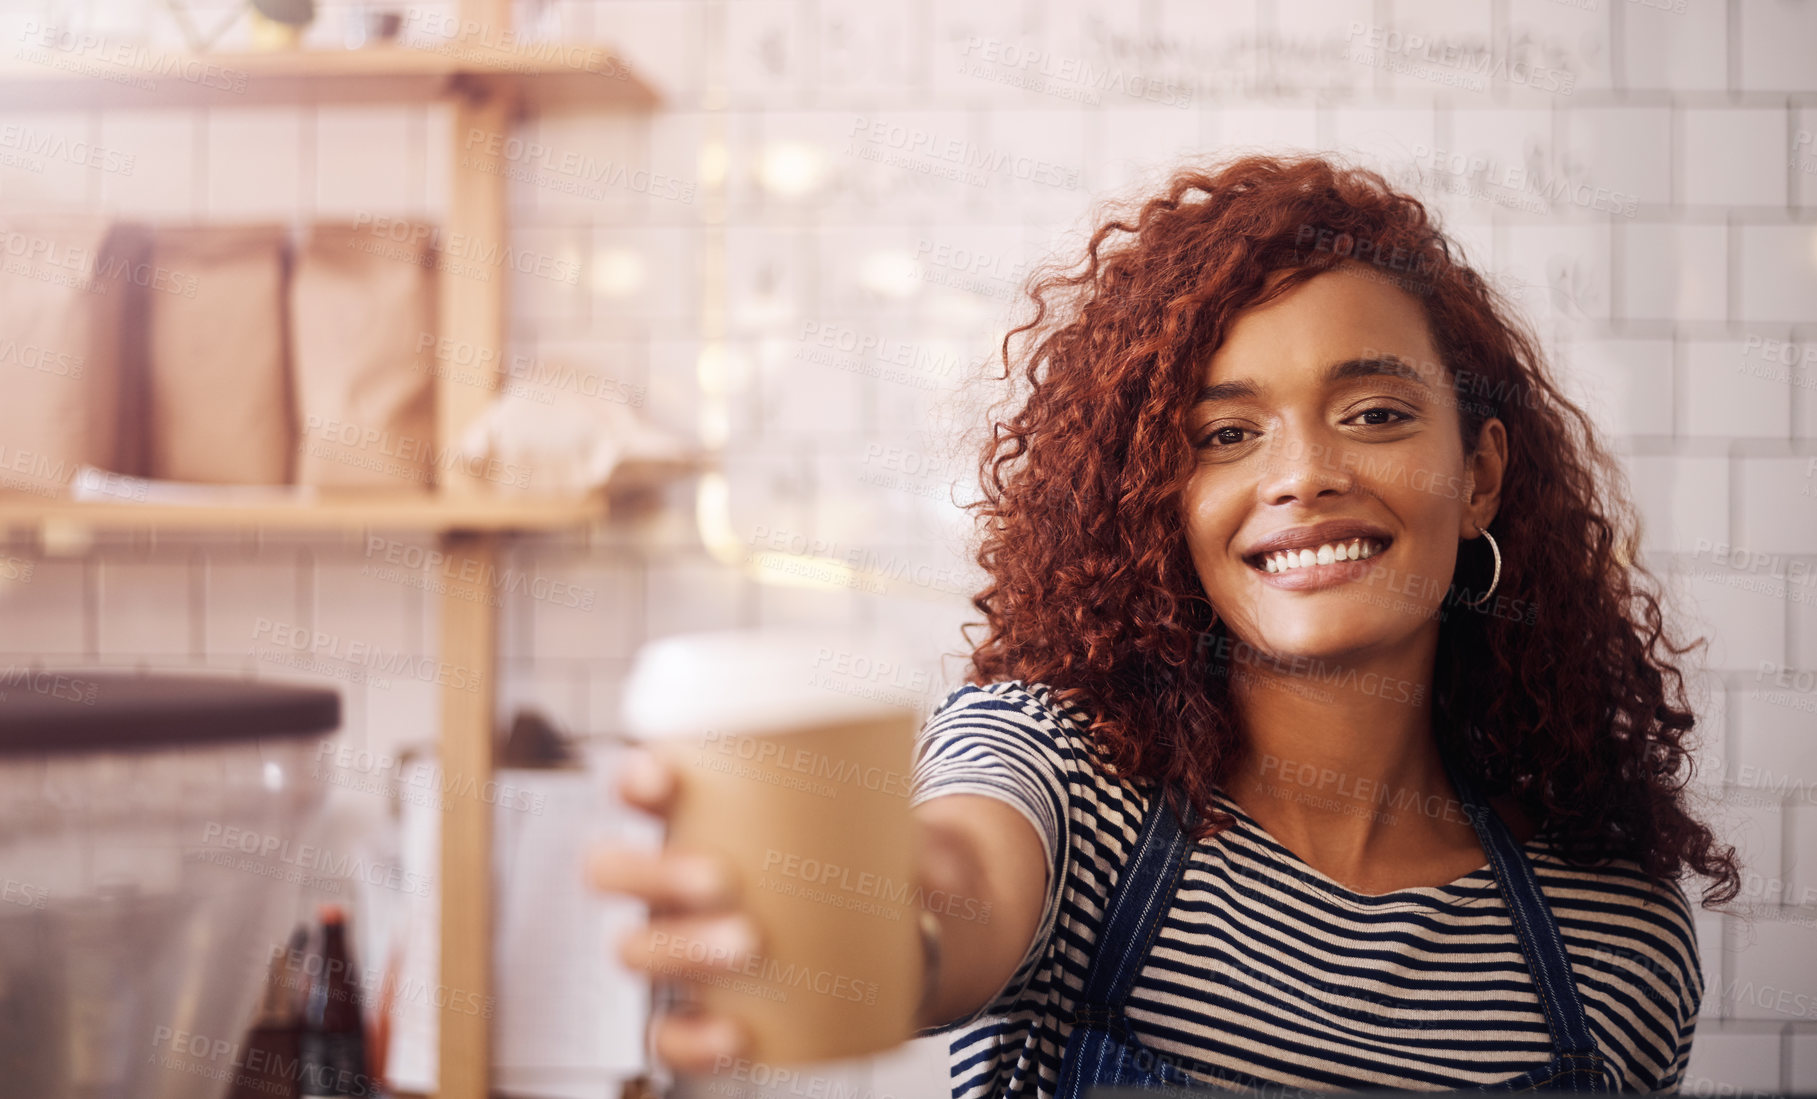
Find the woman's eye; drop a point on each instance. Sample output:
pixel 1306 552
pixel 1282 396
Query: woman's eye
pixel 1382 411
pixel 1225 436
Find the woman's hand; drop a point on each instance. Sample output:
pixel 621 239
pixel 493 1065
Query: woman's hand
pixel 693 903
pixel 976 852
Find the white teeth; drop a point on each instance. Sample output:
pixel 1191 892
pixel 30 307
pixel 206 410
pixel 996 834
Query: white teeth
pixel 1357 549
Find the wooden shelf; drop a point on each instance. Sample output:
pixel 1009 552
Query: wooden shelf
pixel 486 88
pixel 540 74
pixel 328 510
pixel 385 511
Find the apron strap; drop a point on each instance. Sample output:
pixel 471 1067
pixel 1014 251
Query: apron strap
pixel 1150 880
pixel 1134 913
pixel 1540 940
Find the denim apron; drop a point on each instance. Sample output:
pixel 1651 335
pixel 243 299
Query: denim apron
pixel 1102 1050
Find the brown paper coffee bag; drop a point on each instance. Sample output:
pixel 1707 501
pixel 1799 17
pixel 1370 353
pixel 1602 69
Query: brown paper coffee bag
pixel 361 304
pixel 219 397
pixel 70 285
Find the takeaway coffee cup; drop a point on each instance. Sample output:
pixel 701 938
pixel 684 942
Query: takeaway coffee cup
pixel 793 752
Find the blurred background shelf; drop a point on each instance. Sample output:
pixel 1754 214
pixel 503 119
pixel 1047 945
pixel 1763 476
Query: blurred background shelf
pixel 490 89
pixel 539 74
pixel 323 510
pixel 391 511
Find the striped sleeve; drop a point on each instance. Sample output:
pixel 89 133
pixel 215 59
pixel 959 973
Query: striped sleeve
pixel 1691 998
pixel 1686 1033
pixel 1001 742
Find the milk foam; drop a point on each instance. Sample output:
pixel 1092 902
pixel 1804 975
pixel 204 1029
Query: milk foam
pixel 762 681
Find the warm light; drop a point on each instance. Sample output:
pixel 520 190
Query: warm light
pixel 713 518
pixel 889 273
pixel 713 163
pixel 617 272
pixel 710 370
pixel 717 371
pixel 721 370
pixel 762 306
pixel 791 169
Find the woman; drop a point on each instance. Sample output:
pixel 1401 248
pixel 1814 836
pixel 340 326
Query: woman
pixel 1323 734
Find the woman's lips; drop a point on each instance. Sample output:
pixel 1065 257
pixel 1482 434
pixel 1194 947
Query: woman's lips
pixel 1327 569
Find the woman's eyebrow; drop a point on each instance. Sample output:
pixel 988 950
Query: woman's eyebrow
pixel 1373 366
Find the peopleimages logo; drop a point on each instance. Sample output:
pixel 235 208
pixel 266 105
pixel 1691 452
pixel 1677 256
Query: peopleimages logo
pixel 50 684
pixel 270 850
pixel 567 170
pixel 29 142
pixel 413 558
pixel 416 781
pixel 507 49
pixel 448 247
pixel 46 260
pixel 483 366
pixel 874 886
pixel 735 1075
pixel 778 978
pixel 952 157
pixel 119 60
pixel 1066 77
pixel 1505 178
pixel 63 364
pixel 772 753
pixel 1452 62
pixel 23 894
pixel 318 644
pixel 401 456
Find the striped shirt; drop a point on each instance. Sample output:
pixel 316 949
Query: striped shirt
pixel 1266 972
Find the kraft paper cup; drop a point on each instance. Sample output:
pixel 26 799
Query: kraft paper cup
pixel 793 762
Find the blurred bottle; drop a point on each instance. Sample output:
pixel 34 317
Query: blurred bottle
pixel 270 1066
pixel 333 1045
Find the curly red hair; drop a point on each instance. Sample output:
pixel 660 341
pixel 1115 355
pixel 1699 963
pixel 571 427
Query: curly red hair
pixel 1580 714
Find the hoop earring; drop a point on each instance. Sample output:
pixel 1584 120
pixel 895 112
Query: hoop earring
pixel 1497 550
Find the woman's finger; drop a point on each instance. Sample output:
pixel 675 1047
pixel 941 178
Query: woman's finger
pixel 662 879
pixel 691 947
pixel 698 1042
pixel 646 782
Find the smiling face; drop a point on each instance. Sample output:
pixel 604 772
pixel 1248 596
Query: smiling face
pixel 1332 484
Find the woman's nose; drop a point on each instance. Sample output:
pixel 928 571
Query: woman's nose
pixel 1304 467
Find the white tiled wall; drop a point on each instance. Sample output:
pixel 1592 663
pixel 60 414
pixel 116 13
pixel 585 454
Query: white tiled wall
pixel 802 220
